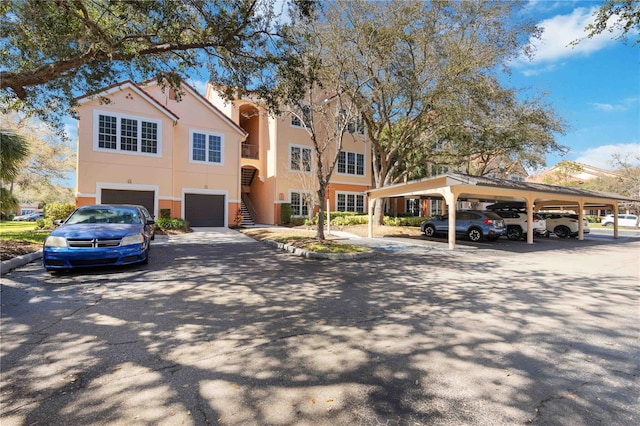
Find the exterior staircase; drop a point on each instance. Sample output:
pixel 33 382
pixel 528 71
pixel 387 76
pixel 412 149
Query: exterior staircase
pixel 245 203
pixel 247 219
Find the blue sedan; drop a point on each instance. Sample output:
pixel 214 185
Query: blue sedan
pixel 100 235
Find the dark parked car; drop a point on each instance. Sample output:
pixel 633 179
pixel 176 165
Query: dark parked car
pixel 100 235
pixel 474 224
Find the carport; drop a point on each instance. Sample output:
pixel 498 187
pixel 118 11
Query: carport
pixel 453 187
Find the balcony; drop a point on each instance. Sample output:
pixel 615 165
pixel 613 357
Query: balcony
pixel 250 151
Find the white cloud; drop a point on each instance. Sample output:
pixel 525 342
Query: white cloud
pixel 558 34
pixel 602 156
pixel 625 105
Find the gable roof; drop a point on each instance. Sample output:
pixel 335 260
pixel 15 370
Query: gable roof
pixel 128 84
pixel 208 105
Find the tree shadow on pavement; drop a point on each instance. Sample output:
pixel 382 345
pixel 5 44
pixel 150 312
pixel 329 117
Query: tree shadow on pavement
pixel 236 332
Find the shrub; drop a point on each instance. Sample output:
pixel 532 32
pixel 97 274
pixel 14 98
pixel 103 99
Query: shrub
pixel 58 211
pixel 285 213
pixel 173 224
pixel 403 221
pixel 592 219
pixel 44 223
pixel 165 213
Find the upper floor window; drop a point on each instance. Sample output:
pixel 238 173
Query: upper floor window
pixel 351 163
pixel 205 147
pixel 300 120
pixel 123 133
pixel 300 158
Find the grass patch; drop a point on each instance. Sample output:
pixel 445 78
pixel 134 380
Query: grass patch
pixel 302 239
pixel 22 231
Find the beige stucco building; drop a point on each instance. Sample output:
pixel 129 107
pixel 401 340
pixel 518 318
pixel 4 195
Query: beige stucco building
pixel 204 159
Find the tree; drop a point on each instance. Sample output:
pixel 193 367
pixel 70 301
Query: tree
pixel 621 16
pixel 422 69
pixel 315 91
pixel 503 133
pixel 50 161
pixel 55 50
pixel 564 174
pixel 13 151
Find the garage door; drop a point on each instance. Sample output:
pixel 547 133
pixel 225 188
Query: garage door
pixel 119 196
pixel 204 210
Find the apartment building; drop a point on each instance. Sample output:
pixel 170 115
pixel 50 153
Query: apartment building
pixel 204 159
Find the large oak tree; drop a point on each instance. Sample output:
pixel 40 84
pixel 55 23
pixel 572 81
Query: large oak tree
pixel 424 69
pixel 55 50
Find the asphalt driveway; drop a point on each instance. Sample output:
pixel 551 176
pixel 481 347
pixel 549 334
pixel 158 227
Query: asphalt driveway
pixel 220 329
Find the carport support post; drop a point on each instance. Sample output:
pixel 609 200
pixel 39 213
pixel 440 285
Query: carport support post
pixel 580 222
pixel 451 201
pixel 529 221
pixel 370 215
pixel 615 220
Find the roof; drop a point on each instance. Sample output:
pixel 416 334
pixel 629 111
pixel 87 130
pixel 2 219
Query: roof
pixel 494 189
pixel 139 89
pixel 128 84
pixel 193 92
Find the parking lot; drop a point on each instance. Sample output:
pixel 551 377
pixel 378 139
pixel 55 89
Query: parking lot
pixel 221 329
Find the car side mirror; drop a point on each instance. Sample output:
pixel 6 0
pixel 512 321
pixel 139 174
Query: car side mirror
pixel 57 222
pixel 151 222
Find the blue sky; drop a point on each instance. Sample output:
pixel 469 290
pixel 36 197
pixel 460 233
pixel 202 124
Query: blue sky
pixel 594 86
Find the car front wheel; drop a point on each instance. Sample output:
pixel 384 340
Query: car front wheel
pixel 562 231
pixel 429 231
pixel 474 234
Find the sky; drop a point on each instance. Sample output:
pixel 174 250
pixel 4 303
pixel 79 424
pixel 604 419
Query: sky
pixel 594 86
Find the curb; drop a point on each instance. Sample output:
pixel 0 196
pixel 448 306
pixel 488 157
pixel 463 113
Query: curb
pixel 8 265
pixel 314 255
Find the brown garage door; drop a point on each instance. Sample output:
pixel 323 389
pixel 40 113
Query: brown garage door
pixel 119 196
pixel 204 209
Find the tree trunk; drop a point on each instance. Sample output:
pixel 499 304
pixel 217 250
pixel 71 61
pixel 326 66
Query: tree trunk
pixel 378 212
pixel 320 228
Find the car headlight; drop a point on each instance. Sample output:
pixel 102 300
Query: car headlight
pixel 55 242
pixel 132 239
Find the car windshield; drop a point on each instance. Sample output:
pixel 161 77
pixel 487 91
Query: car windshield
pixel 105 215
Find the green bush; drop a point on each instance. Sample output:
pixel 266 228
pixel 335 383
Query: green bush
pixel 403 221
pixel 592 219
pixel 44 224
pixel 165 213
pixel 285 213
pixel 58 211
pixel 173 224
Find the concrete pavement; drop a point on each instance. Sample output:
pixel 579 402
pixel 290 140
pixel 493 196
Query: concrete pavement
pixel 220 329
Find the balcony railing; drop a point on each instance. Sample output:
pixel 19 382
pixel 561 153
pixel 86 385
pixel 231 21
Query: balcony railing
pixel 249 151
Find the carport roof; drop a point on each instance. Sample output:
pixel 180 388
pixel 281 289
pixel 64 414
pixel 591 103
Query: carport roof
pixel 491 188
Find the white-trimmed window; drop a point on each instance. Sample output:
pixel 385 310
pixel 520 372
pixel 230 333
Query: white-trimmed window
pixel 300 203
pixel 206 147
pixel 297 119
pixel 351 163
pixel 436 207
pixel 125 133
pixel 299 158
pixel 350 202
pixel 412 205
